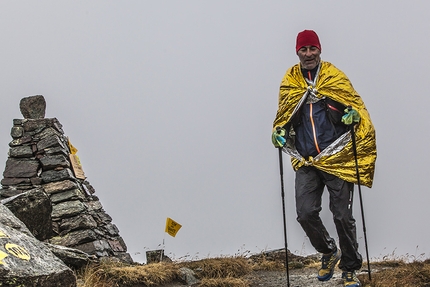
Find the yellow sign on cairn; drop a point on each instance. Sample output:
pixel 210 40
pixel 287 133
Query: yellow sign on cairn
pixel 75 161
pixel 172 227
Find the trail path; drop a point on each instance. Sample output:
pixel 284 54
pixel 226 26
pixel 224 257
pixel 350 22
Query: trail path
pixel 305 277
pixel 298 278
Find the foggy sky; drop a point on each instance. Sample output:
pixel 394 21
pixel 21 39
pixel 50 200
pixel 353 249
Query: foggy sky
pixel 170 105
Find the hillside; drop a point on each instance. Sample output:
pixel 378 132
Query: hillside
pixel 266 269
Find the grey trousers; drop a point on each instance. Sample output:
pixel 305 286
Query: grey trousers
pixel 310 183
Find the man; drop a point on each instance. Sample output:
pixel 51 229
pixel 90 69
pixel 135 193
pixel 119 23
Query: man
pixel 318 106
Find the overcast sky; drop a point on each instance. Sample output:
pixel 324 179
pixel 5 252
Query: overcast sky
pixel 170 105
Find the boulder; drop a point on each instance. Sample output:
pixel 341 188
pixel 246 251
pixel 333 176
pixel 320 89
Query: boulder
pixel 188 276
pixel 25 261
pixel 34 209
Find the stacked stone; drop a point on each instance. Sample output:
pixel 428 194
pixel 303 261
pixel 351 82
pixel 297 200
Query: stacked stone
pixel 39 157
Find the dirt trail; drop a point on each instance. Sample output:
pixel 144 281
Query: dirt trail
pixel 298 278
pixel 305 277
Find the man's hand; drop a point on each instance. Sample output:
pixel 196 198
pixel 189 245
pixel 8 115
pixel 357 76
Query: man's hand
pixel 278 139
pixel 351 116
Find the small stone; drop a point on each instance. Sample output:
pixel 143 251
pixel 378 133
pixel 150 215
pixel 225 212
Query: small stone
pixel 59 186
pixel 16 132
pixel 21 151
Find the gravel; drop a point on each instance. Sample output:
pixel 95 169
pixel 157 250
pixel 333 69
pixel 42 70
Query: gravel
pixel 298 278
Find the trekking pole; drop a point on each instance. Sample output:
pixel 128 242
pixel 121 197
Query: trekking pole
pixel 281 171
pixel 354 148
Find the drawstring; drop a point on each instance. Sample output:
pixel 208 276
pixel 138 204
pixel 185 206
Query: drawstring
pixel 312 120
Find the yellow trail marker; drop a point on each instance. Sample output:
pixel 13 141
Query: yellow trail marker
pixel 17 251
pixel 2 256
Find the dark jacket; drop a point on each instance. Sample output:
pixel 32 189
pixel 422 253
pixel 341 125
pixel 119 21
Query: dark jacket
pixel 317 124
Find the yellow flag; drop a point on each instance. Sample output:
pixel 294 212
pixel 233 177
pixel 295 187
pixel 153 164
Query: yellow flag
pixel 172 227
pixel 73 150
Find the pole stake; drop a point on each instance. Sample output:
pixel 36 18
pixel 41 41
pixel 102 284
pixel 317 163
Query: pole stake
pixel 281 171
pixel 354 147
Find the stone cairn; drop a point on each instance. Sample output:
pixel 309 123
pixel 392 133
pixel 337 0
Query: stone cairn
pixel 41 157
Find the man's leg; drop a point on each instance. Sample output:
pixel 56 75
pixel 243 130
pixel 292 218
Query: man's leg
pixel 341 198
pixel 309 189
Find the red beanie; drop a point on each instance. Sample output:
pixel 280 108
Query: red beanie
pixel 307 38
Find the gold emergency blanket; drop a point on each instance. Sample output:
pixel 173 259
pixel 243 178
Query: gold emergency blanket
pixel 338 158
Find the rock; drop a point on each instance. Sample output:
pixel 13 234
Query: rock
pixel 7 181
pixel 55 151
pixel 84 221
pixel 25 261
pixel 110 229
pixel 124 257
pixel 16 132
pixel 20 141
pixel 276 255
pixel 95 206
pixel 67 209
pixel 34 209
pixel 50 142
pixel 73 258
pixel 57 175
pixel 188 276
pixel 21 151
pixel 118 245
pixel 67 195
pixel 101 217
pixel 33 107
pixel 74 238
pixel 34 126
pixel 99 248
pixel 58 186
pixel 54 129
pixel 54 161
pixel 9 192
pixel 21 168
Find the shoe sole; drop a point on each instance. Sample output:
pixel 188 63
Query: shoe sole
pixel 322 279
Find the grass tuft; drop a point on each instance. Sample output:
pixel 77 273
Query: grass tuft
pixel 224 267
pixel 399 274
pixel 112 274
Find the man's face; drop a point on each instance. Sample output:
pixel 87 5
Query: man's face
pixel 309 57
